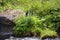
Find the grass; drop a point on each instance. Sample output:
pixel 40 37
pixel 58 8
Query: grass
pixel 45 23
pixel 27 4
pixel 32 25
pixel 47 33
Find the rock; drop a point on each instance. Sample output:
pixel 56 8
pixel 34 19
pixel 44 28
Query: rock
pixel 8 16
pixel 11 14
pixel 7 22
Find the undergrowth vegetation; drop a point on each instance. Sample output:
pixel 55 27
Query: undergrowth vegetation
pixel 47 33
pixel 43 19
pixel 34 26
pixel 25 26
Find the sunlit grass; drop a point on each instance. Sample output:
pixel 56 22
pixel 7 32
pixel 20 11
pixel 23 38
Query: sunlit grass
pixel 47 33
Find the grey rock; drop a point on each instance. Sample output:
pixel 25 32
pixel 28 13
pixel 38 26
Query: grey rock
pixel 11 14
pixel 7 22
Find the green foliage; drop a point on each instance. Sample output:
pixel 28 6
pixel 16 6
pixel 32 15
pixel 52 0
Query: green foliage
pixel 44 8
pixel 32 24
pixel 38 5
pixel 26 25
pixel 47 12
pixel 47 33
pixel 57 24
